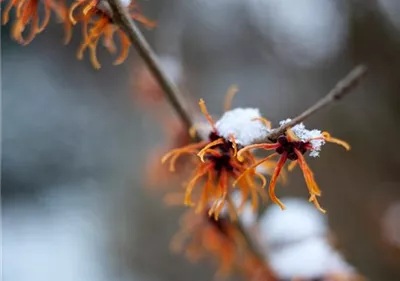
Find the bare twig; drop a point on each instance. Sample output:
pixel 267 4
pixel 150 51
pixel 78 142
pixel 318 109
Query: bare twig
pixel 341 89
pixel 122 18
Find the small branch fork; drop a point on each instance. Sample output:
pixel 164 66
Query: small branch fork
pixel 123 20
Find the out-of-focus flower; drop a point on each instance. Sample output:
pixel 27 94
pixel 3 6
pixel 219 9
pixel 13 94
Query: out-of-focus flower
pixel 146 88
pixel 27 11
pixel 291 146
pixel 201 236
pixel 175 135
pixel 297 244
pixel 217 162
pixel 96 19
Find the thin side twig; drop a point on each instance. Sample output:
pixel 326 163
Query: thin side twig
pixel 341 89
pixel 122 18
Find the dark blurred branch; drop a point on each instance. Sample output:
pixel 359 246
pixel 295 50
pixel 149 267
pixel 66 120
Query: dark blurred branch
pixel 341 89
pixel 122 18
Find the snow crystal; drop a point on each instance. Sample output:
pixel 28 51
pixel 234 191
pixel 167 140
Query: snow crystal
pixel 240 123
pixel 305 135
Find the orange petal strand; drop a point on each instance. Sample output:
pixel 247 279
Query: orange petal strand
pixel 47 13
pixel 7 9
pixel 142 19
pixel 292 165
pixel 204 110
pixel 83 46
pixel 272 184
pixel 71 11
pixel 125 44
pixel 203 151
pixel 230 94
pixel 308 175
pixel 20 6
pixel 204 197
pixel 340 142
pixel 234 145
pixel 265 121
pixel 223 188
pixel 245 194
pixel 68 31
pixel 266 146
pixel 253 190
pixel 314 199
pixel 108 40
pixel 253 167
pixel 200 172
pixel 93 55
pixel 186 149
pixel 34 30
pixel 291 136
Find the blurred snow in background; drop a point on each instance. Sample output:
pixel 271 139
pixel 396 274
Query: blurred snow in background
pixel 303 32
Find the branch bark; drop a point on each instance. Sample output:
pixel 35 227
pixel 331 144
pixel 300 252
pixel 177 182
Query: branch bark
pixel 122 18
pixel 341 89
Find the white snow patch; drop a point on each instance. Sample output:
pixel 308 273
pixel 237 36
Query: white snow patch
pixel 306 135
pixel 240 123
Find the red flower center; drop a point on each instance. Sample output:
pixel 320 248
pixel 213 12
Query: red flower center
pixel 290 146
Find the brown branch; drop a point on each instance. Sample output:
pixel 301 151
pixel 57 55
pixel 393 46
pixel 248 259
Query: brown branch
pixel 122 18
pixel 341 89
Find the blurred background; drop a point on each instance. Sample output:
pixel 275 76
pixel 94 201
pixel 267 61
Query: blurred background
pixel 75 141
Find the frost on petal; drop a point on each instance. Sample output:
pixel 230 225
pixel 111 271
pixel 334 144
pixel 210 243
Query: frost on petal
pixel 241 123
pixel 307 135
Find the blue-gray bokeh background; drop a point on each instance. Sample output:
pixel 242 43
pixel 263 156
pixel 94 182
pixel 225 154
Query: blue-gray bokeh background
pixel 74 141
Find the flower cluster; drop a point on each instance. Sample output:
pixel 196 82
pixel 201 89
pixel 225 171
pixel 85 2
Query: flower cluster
pixel 94 15
pixel 226 161
pixel 218 164
pixel 291 146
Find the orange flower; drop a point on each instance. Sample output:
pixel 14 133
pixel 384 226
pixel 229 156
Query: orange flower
pixel 217 167
pixel 175 135
pixel 291 146
pixel 95 16
pixel 202 237
pixel 27 12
